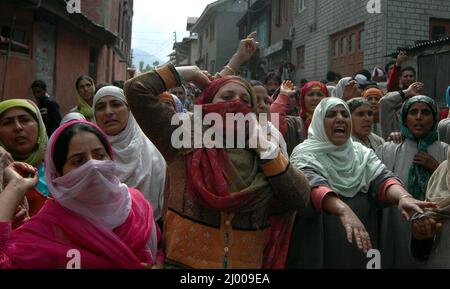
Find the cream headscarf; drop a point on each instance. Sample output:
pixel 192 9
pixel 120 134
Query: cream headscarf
pixel 349 168
pixel 37 155
pixel 438 192
pixel 339 89
pixel 139 163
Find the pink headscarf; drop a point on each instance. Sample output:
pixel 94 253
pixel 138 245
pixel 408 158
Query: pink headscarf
pixel 45 240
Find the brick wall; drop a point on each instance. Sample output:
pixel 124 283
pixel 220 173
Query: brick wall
pixel 400 23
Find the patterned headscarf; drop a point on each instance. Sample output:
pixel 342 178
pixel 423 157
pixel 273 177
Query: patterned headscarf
pixel 356 102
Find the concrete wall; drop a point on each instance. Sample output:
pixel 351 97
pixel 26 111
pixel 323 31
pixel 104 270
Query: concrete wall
pixel 400 23
pixel 288 10
pixel 409 21
pixel 227 37
pixel 72 58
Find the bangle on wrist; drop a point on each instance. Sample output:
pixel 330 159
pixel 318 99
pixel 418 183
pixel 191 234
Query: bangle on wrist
pixel 405 196
pixel 402 94
pixel 179 78
pixel 230 69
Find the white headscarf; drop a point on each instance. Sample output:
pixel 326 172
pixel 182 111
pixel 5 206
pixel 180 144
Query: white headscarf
pixel 72 116
pixel 139 163
pixel 339 89
pixel 349 168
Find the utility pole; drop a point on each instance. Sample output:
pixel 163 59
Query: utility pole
pixel 248 18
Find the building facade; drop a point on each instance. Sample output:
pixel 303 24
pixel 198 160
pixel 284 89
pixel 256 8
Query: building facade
pixel 57 45
pixel 218 34
pixel 346 36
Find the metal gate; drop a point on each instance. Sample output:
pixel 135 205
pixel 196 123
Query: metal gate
pixel 434 72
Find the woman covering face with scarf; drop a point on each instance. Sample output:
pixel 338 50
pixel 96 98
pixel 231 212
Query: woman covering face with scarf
pixel 348 183
pixel 241 199
pixel 414 160
pixel 109 224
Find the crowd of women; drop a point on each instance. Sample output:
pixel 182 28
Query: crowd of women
pixel 319 190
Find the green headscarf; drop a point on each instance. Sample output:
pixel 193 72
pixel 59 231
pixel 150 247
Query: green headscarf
pixel 418 176
pixel 83 107
pixel 348 168
pixel 37 156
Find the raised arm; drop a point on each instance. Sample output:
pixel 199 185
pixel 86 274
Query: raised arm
pixel 143 95
pixel 246 49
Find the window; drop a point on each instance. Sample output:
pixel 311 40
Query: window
pixel 285 10
pixel 343 45
pixel 437 32
pixel 362 40
pixel 93 56
pixel 19 39
pixel 336 47
pixel 301 5
pixel 346 54
pixel 212 32
pixel 352 43
pixel 206 34
pixel 439 28
pixel 278 13
pixel 301 57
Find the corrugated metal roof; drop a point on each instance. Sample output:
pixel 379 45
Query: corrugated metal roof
pixel 423 45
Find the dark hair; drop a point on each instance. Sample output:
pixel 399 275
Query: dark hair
pixel 119 83
pixel 33 114
pixel 83 77
pixel 256 83
pixel 372 85
pixel 409 68
pixel 331 76
pixel 100 86
pixel 386 67
pixel 40 84
pixel 61 147
pixel 272 75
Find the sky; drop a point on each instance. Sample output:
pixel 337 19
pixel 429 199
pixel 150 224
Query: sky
pixel 154 22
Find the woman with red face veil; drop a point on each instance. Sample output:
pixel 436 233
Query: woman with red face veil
pixel 224 208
